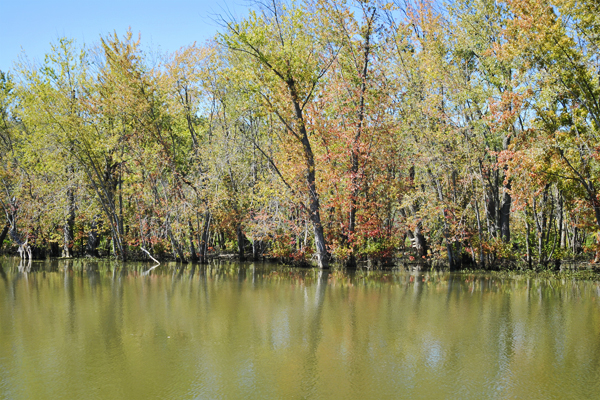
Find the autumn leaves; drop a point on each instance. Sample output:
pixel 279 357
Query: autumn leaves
pixel 325 131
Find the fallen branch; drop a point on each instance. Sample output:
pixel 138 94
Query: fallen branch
pixel 154 259
pixel 150 255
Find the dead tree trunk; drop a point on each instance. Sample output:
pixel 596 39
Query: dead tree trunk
pixel 24 248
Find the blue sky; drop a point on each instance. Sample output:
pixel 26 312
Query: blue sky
pixel 30 26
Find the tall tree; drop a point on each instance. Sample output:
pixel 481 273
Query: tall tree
pixel 285 61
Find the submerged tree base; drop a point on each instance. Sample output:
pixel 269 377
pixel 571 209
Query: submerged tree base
pixel 401 262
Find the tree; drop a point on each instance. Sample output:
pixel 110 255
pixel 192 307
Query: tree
pixel 285 60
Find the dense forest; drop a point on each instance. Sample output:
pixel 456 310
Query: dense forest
pixel 464 134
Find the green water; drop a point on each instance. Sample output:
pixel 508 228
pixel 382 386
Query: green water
pixel 83 330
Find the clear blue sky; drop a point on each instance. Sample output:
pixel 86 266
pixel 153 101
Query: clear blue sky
pixel 30 26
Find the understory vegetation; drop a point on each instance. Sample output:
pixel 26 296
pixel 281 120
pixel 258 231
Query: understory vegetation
pixel 464 134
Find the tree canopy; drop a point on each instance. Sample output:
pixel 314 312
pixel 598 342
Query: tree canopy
pixel 460 134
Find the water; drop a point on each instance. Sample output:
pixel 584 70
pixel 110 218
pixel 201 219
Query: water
pixel 83 330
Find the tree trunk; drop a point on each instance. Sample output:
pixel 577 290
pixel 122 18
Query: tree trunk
pixel 204 241
pixel 221 240
pixel 256 245
pixel 436 183
pixel 561 222
pixel 489 201
pixel 505 216
pixel 506 201
pixel 193 255
pixel 320 244
pixel 354 162
pixel 314 205
pixel 314 208
pixel 240 242
pixel 92 242
pixel 480 231
pixel 527 233
pixel 420 243
pixel 491 214
pixel 177 250
pixel 3 234
pixel 69 225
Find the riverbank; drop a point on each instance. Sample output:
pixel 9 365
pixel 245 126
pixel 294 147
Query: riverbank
pixel 566 269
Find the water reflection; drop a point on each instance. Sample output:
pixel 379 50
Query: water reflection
pixel 90 329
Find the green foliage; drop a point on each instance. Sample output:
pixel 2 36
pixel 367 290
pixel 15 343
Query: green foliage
pixel 356 129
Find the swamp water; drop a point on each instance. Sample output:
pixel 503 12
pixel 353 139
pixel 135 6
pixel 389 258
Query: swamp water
pixel 100 330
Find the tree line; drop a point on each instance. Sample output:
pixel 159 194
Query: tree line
pixel 463 134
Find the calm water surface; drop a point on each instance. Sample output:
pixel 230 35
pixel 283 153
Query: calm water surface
pixel 96 330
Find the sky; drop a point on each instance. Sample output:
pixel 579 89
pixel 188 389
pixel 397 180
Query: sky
pixel 28 27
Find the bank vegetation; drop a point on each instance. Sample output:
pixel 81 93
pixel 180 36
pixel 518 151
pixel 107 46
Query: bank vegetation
pixel 463 134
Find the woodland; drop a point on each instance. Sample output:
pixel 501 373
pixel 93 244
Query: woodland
pixel 327 132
